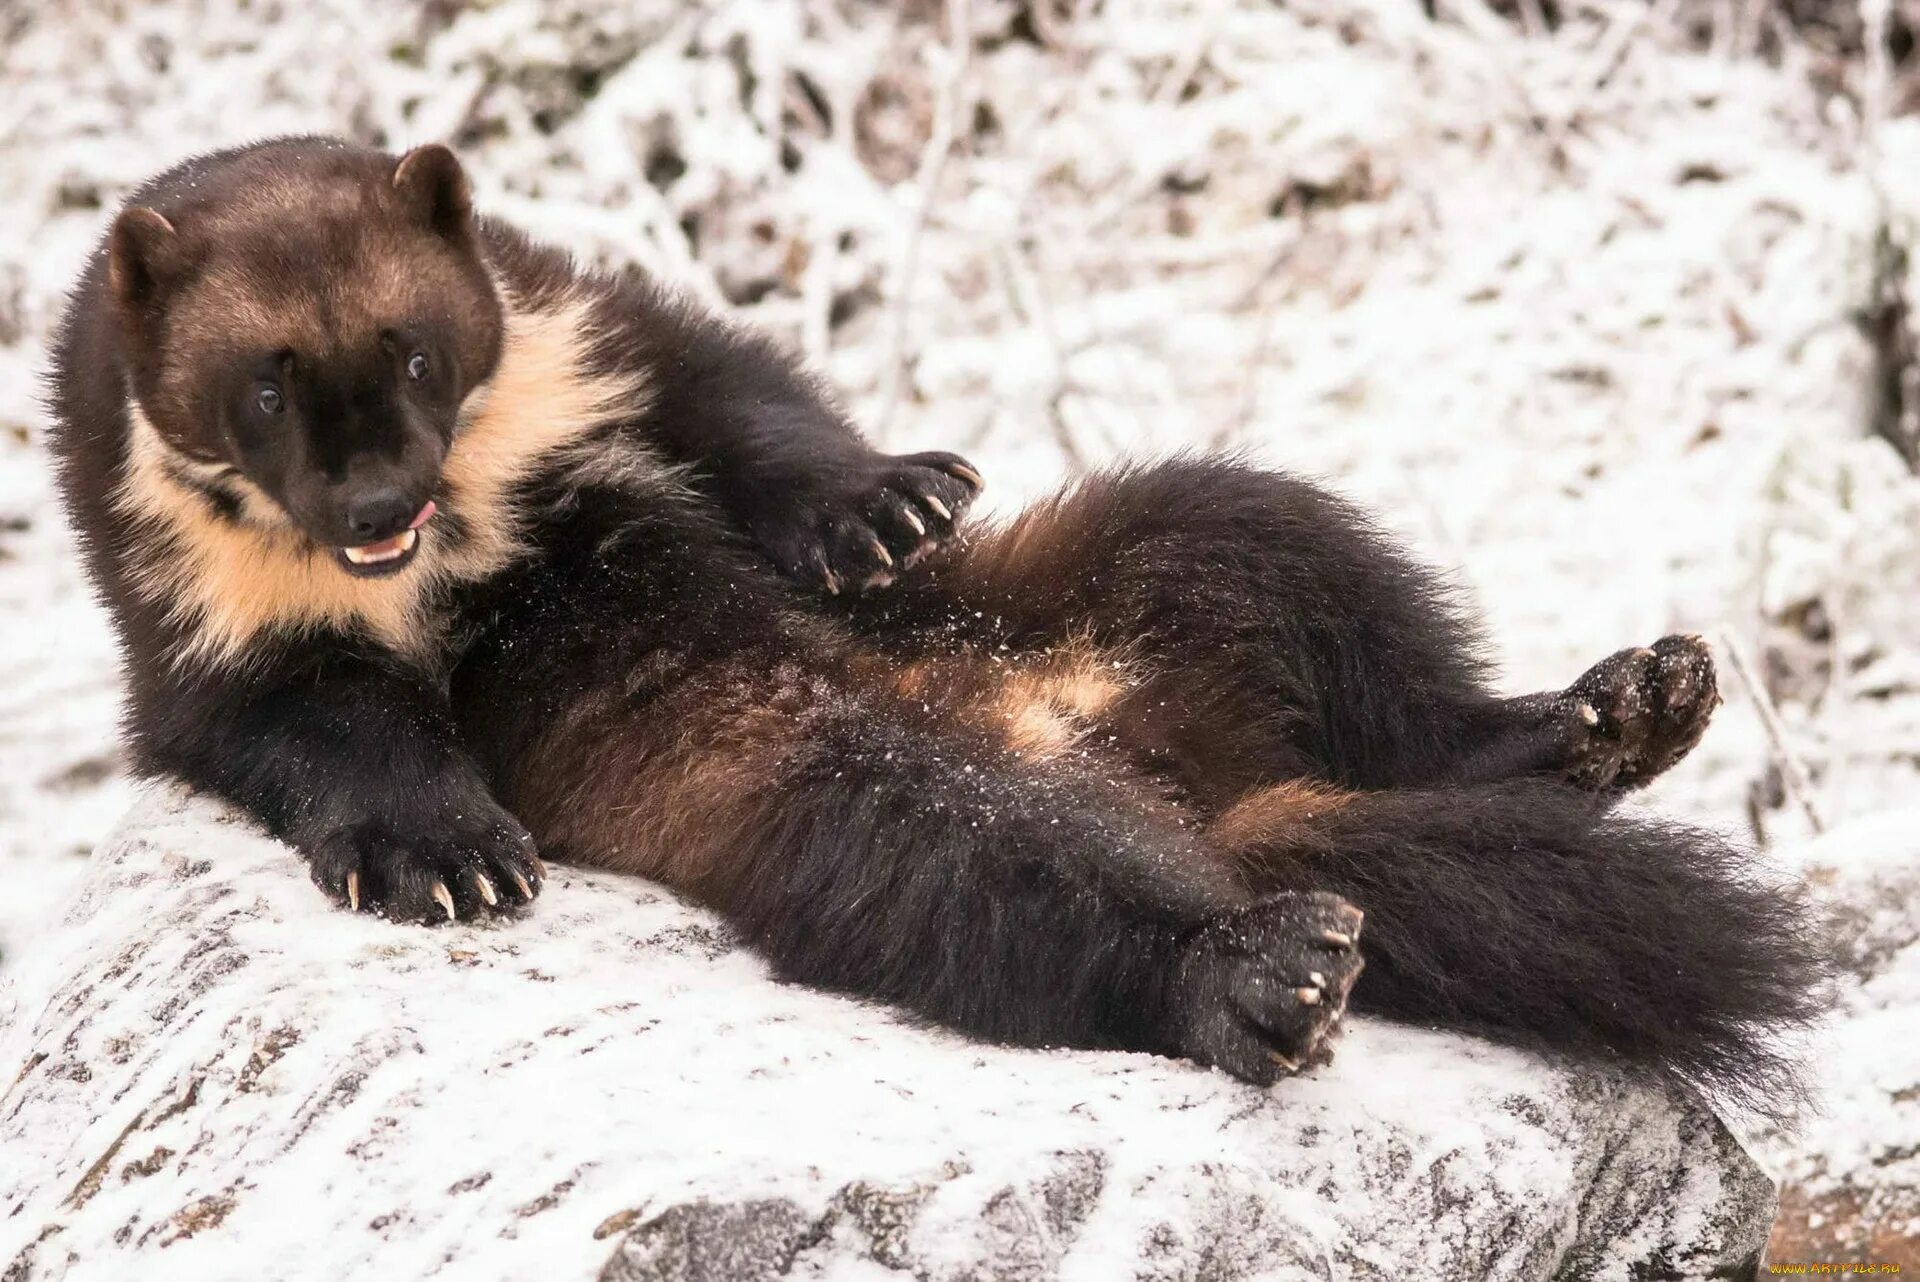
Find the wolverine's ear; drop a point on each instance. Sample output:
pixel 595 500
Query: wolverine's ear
pixel 434 191
pixel 144 256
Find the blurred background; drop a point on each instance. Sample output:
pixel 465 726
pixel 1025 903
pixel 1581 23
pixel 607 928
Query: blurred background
pixel 1604 306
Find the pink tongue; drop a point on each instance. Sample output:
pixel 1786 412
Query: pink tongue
pixel 425 514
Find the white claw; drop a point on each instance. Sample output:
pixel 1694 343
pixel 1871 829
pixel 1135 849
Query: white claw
pixel 1315 978
pixel 526 891
pixel 913 518
pixel 1338 938
pixel 1308 996
pixel 444 898
pixel 1291 1065
pixel 1588 715
pixel 353 891
pixel 940 509
pixel 486 889
pixel 880 550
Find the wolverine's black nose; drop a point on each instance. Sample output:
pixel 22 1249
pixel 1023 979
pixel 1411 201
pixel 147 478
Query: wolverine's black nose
pixel 378 514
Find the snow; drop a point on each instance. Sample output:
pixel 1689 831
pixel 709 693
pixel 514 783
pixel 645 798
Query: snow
pixel 1575 313
pixel 224 1078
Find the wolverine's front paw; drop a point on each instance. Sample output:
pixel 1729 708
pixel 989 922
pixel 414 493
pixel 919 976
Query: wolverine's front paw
pixel 441 869
pixel 1644 709
pixel 861 530
pixel 1262 990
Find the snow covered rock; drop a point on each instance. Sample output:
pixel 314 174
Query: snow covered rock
pixel 210 1074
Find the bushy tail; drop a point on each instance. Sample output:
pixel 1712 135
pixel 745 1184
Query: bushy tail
pixel 1529 913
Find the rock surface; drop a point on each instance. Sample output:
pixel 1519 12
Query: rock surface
pixel 211 1074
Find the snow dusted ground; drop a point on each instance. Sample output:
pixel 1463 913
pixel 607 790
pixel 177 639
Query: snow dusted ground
pixel 1574 312
pixel 223 1079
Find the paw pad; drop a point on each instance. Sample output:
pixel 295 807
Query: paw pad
pixel 450 869
pixel 1264 988
pixel 1642 710
pixel 860 533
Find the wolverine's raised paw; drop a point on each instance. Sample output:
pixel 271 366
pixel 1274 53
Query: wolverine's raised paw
pixel 1262 990
pixel 861 530
pixel 1644 710
pixel 459 868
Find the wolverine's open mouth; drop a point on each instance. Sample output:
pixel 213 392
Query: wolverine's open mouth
pixel 389 556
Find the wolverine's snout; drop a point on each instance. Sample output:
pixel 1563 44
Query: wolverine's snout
pixel 389 554
pixel 369 506
pixel 377 513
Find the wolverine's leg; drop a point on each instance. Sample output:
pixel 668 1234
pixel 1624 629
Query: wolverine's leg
pixel 1524 912
pixel 1623 723
pixel 866 847
pixel 879 844
pixel 862 845
pixel 1281 635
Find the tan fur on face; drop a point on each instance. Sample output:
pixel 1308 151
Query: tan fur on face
pixel 228 583
pixel 261 295
pixel 229 301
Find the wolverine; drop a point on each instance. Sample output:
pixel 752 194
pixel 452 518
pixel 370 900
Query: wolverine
pixel 435 553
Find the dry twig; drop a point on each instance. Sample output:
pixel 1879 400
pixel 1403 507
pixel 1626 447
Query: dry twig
pixel 1792 769
pixel 933 164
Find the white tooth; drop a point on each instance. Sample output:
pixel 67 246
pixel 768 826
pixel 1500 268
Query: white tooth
pixel 365 555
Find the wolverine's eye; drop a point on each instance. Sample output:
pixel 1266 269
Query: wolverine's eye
pixel 417 366
pixel 269 400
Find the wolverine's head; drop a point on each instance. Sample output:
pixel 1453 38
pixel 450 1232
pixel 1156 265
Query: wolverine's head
pixel 301 325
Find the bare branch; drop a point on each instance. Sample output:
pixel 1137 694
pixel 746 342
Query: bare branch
pixel 933 164
pixel 1792 769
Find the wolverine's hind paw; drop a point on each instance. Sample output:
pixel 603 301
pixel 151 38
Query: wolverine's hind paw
pixel 445 869
pixel 1643 710
pixel 1262 990
pixel 861 530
